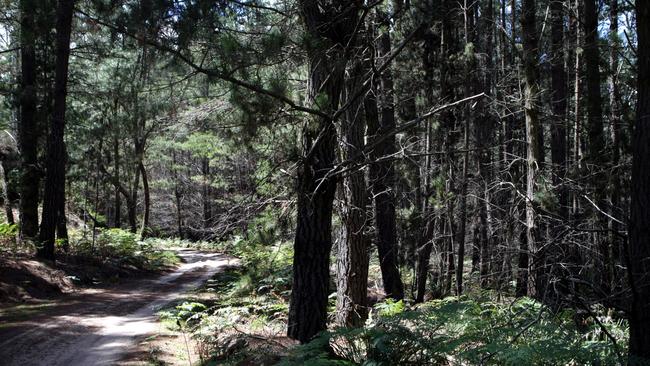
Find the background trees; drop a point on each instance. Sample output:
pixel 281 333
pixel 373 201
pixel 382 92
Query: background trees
pixel 426 124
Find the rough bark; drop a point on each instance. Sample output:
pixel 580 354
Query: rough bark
pixel 534 152
pixel 383 178
pixel 147 201
pixel 640 199
pixel 9 213
pixel 135 186
pixel 485 137
pixel 558 105
pixel 559 92
pixel 330 26
pixel 470 64
pixel 56 159
pixel 207 193
pixel 577 98
pixel 177 197
pixel 615 128
pixel 28 131
pixel 118 201
pixel 62 225
pixel 427 217
pixel 353 257
pixel 596 144
pixel 423 257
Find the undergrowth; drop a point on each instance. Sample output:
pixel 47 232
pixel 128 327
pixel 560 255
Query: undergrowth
pixel 466 332
pixel 241 312
pixel 248 306
pixel 123 248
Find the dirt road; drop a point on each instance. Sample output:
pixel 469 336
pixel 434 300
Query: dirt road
pixel 100 326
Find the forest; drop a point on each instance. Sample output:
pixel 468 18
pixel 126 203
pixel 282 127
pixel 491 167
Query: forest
pixel 325 182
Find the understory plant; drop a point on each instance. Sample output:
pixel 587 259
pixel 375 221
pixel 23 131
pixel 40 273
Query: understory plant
pixel 467 332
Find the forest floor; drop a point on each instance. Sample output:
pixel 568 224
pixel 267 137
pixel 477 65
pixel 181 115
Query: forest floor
pixel 99 326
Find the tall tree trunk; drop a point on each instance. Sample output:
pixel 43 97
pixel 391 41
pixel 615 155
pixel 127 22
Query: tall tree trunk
pixel 55 171
pixel 28 131
pixel 451 233
pixel 330 26
pixel 596 147
pixel 577 90
pixel 462 208
pixel 147 201
pixel 640 199
pixel 425 243
pixel 177 197
pixel 427 217
pixel 118 199
pixel 353 257
pixel 383 177
pixel 207 193
pixel 448 138
pixel 523 254
pixel 62 221
pixel 133 201
pixel 62 224
pixel 558 105
pixel 615 127
pixel 423 257
pixel 484 136
pixel 462 214
pixel 534 152
pixel 5 195
pixel 559 91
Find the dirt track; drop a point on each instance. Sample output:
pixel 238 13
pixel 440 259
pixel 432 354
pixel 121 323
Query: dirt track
pixel 99 327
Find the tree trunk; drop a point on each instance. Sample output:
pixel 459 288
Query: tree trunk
pixel 577 128
pixel 534 152
pixel 147 201
pixel 640 199
pixel 448 139
pixel 62 225
pixel 451 233
pixel 423 258
pixel 56 160
pixel 177 197
pixel 353 257
pixel 596 146
pixel 615 126
pixel 383 178
pixel 5 195
pixel 133 201
pixel 484 136
pixel 118 200
pixel 559 91
pixel 462 207
pixel 28 131
pixel 427 217
pixel 558 105
pixel 207 193
pixel 62 221
pixel 330 26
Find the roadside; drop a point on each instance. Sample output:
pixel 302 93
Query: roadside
pixel 100 326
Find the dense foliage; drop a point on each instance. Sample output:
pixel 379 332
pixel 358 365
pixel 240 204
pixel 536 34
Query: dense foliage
pixel 486 159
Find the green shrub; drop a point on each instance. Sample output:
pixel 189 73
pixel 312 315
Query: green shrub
pixel 8 234
pixel 7 229
pixel 390 307
pixel 466 332
pixel 185 313
pixel 117 243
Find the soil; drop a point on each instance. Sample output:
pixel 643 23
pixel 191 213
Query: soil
pixel 27 279
pixel 98 326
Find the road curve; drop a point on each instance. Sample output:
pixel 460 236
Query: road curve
pixel 99 327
